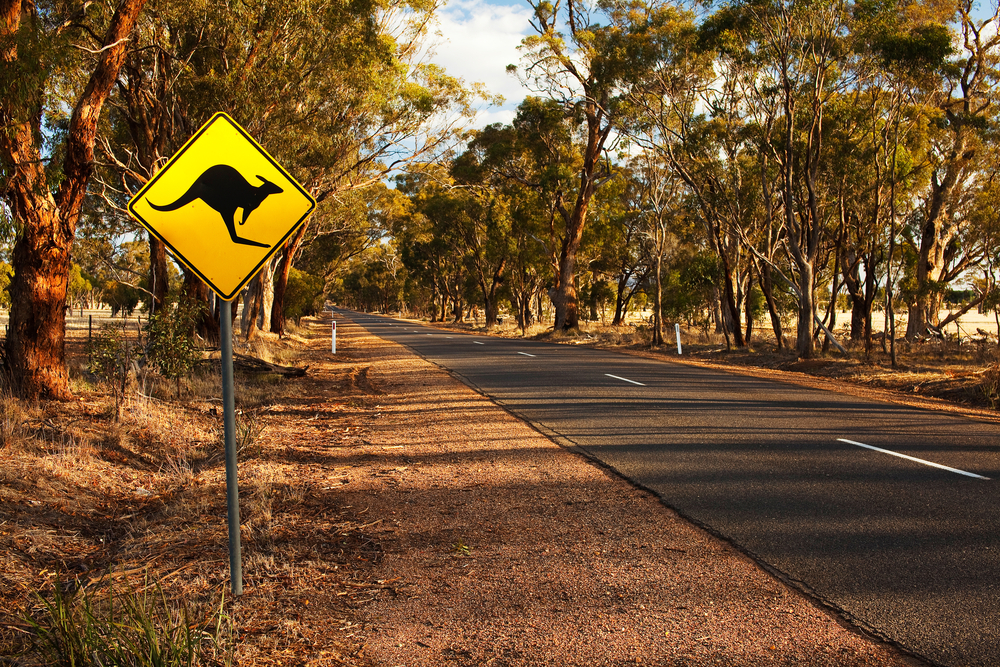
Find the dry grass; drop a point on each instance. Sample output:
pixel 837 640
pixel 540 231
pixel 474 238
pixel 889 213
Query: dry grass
pixel 88 497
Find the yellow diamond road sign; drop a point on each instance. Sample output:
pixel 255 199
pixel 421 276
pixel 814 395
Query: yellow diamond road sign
pixel 222 205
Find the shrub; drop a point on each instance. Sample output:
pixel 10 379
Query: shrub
pixel 112 359
pixel 172 349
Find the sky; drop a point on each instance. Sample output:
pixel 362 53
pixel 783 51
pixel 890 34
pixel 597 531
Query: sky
pixel 476 43
pixel 478 39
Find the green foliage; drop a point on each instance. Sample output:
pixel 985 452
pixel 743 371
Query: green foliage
pixel 121 297
pixel 303 295
pixel 374 280
pixel 79 287
pixel 688 287
pixel 123 626
pixel 112 359
pixel 6 273
pixel 172 347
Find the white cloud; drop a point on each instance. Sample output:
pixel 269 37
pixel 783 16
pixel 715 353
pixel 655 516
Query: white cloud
pixel 477 41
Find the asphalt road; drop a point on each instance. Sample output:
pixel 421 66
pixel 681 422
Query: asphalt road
pixel 906 550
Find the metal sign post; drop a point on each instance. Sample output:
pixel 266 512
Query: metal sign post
pixel 229 427
pixel 191 206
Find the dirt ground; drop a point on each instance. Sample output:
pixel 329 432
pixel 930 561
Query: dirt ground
pixel 390 516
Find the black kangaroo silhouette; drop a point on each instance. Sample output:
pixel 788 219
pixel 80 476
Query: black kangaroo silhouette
pixel 225 190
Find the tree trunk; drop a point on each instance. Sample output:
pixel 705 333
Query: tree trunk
pixel 720 326
pixel 767 287
pixel 194 289
pixel 564 299
pixel 159 284
pixel 619 317
pixel 594 293
pixel 658 304
pixel 564 296
pixel 35 345
pixel 804 343
pixel 852 281
pixel 281 280
pixel 251 305
pixel 834 294
pixel 36 336
pixel 730 310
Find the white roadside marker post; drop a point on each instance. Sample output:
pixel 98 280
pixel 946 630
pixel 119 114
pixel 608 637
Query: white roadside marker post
pixel 677 330
pixel 335 337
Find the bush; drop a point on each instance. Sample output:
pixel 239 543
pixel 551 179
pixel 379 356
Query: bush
pixel 172 349
pixel 303 295
pixel 112 358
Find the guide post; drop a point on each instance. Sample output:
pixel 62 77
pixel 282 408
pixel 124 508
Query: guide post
pixel 677 330
pixel 335 337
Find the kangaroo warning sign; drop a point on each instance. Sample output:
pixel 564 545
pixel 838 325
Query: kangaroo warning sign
pixel 222 205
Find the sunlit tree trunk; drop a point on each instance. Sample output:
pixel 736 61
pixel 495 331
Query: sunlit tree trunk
pixel 35 344
pixel 281 280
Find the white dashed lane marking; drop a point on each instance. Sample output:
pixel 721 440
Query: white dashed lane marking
pixel 913 458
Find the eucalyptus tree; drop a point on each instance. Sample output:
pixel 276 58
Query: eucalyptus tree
pixel 584 58
pixel 693 113
pixel 374 280
pixel 965 109
pixel 430 235
pixel 58 63
pixel 149 117
pixel 488 226
pixel 353 108
pixel 618 242
pixel 525 162
pixel 803 52
pixel 658 200
pixel 536 158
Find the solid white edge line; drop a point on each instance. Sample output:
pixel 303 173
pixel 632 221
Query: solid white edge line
pixel 624 379
pixel 912 458
pixel 526 354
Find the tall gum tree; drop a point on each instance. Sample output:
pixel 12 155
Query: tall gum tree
pixel 586 67
pixel 692 112
pixel 967 103
pixel 45 198
pixel 147 117
pixel 337 92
